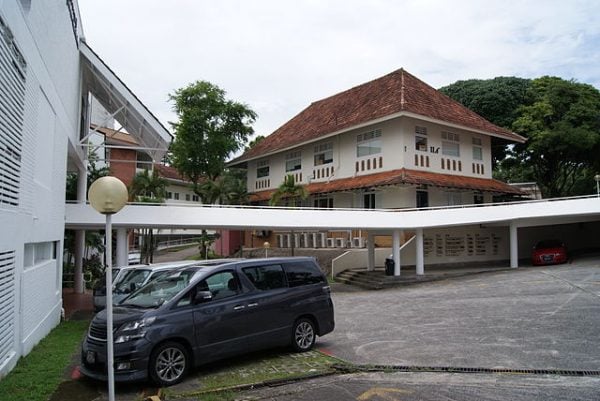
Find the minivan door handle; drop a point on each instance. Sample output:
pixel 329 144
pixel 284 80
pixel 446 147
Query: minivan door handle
pixel 238 307
pixel 253 304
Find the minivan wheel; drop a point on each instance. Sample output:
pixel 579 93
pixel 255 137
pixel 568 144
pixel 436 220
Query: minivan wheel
pixel 304 335
pixel 169 363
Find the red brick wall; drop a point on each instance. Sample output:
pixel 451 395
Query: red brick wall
pixel 122 164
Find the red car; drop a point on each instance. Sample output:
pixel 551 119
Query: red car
pixel 549 252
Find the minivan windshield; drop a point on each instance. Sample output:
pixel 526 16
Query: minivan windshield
pixel 123 284
pixel 159 291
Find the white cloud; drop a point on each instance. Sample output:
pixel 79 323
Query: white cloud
pixel 279 56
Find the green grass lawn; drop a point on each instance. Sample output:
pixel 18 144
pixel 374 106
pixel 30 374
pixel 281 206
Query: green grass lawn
pixel 38 374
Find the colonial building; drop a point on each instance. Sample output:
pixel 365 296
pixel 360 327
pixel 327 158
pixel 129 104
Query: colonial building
pixel 394 142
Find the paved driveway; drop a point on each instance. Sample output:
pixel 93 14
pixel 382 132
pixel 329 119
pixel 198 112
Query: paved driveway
pixel 530 318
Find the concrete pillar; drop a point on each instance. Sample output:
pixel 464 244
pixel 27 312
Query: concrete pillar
pixel 289 240
pixel 79 284
pixel 78 271
pixel 296 240
pixel 420 258
pixel 396 251
pixel 122 247
pixel 514 245
pixel 370 251
pixel 314 240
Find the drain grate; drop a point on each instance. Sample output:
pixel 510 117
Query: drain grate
pixel 458 369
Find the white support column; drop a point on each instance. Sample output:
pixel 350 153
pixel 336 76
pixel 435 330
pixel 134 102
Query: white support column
pixel 370 251
pixel 420 254
pixel 396 251
pixel 80 234
pixel 78 271
pixel 314 240
pixel 296 239
pixel 289 240
pixel 122 247
pixel 514 245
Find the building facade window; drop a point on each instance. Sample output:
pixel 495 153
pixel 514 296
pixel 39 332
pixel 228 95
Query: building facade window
pixel 169 195
pixel 368 143
pixel 293 161
pixel 369 201
pixel 422 198
pixel 421 138
pixel 477 149
pixel 262 169
pixel 450 144
pixel 323 203
pixel 176 195
pixel 323 153
pixel 195 198
pixel 187 197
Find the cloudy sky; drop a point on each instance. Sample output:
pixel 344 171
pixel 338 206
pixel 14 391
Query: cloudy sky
pixel 278 56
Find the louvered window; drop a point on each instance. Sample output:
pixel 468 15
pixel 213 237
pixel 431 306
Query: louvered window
pixel 12 97
pixel 7 304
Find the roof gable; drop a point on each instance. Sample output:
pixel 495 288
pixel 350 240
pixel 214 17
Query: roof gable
pixel 393 94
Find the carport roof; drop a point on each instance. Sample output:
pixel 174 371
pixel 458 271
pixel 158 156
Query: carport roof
pixel 402 177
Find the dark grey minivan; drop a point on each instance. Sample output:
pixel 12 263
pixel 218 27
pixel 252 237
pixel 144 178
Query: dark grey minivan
pixel 199 314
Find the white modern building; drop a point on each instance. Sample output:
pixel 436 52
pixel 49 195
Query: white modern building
pixel 48 76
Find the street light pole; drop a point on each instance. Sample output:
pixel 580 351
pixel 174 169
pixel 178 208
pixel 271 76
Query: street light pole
pixel 597 178
pixel 108 195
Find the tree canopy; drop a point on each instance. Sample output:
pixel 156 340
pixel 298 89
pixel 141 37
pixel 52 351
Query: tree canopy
pixel 497 100
pixel 210 128
pixel 561 120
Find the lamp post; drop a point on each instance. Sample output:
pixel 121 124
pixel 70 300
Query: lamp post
pixel 597 178
pixel 266 245
pixel 108 195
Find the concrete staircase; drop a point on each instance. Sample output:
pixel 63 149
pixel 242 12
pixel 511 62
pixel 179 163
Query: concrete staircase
pixel 370 280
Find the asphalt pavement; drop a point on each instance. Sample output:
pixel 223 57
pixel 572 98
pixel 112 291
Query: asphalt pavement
pixel 531 318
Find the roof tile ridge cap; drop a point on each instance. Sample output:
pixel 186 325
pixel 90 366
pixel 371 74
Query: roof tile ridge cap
pixel 402 100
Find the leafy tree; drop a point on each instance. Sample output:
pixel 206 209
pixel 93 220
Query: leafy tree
pixel 210 128
pixel 497 100
pixel 254 142
pixel 561 120
pixel 149 188
pixel 292 193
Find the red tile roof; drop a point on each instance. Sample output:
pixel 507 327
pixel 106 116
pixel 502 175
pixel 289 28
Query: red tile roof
pixel 113 136
pixel 168 172
pixel 391 94
pixel 400 177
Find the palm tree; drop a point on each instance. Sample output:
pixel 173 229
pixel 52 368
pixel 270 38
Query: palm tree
pixel 292 193
pixel 150 189
pixel 227 189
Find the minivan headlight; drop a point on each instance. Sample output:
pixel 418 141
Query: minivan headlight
pixel 133 330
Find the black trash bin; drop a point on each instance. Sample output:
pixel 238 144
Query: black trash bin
pixel 389 266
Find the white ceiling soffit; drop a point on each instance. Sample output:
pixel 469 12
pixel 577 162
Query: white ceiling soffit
pixel 99 80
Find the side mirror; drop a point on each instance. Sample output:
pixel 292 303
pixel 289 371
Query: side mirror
pixel 202 296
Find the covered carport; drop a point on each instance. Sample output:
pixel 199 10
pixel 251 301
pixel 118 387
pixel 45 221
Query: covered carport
pixel 582 213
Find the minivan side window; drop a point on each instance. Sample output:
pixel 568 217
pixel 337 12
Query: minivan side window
pixel 266 277
pixel 303 273
pixel 221 285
